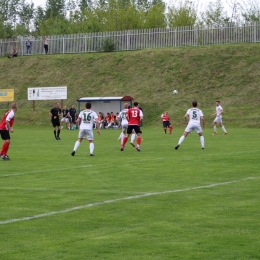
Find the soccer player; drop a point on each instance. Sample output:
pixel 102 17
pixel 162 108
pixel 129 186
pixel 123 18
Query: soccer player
pixel 87 118
pixel 65 116
pixel 166 122
pixel 218 119
pixel 124 123
pixel 134 116
pixel 6 127
pixel 55 113
pixel 195 116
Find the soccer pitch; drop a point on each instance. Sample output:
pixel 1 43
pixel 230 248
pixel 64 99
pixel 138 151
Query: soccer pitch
pixel 156 204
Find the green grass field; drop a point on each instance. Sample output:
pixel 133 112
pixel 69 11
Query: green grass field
pixel 156 204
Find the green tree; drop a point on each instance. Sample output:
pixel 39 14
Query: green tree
pixel 185 14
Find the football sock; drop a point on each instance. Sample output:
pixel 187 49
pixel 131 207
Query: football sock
pixel 125 140
pixel 91 148
pixel 132 138
pixel 170 129
pixel 202 141
pixel 224 129
pixel 76 146
pixel 181 139
pixel 138 141
pixel 58 133
pixel 5 148
pixel 54 133
pixel 165 130
pixel 215 128
pixel 122 138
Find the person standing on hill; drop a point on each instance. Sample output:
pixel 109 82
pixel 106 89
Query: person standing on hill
pixel 46 44
pixel 5 129
pixel 166 122
pixel 28 45
pixel 195 117
pixel 87 118
pixel 55 113
pixel 218 119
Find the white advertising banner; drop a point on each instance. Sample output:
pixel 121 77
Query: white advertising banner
pixel 47 93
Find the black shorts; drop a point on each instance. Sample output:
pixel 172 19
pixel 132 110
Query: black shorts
pixel 130 128
pixel 55 122
pixel 166 124
pixel 5 135
pixel 72 120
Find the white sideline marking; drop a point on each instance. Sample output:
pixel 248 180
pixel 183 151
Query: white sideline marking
pixel 126 161
pixel 4 222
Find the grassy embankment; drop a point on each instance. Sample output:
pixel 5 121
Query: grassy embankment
pixel 226 72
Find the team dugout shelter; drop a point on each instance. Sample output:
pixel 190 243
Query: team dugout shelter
pixel 105 104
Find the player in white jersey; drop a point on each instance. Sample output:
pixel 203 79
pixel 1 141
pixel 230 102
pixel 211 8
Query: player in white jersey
pixel 195 117
pixel 87 118
pixel 218 119
pixel 124 122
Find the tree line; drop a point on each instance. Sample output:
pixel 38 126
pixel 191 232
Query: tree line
pixel 19 17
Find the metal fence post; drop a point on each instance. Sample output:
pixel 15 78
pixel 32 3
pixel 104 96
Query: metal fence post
pixel 21 45
pixel 63 45
pixel 128 40
pixel 254 32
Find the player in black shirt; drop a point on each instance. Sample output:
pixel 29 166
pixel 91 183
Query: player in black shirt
pixel 55 113
pixel 72 112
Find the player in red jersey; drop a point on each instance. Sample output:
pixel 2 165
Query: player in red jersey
pixel 6 127
pixel 166 122
pixel 134 116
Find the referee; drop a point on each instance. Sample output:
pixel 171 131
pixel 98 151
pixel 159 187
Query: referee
pixel 55 120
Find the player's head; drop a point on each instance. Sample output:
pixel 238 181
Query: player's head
pixel 135 104
pixel 166 112
pixel 14 106
pixel 57 104
pixel 217 103
pixel 126 105
pixel 88 105
pixel 72 106
pixel 65 107
pixel 194 103
pixel 112 113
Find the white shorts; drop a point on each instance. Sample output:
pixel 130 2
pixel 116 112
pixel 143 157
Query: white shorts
pixel 65 119
pixel 124 127
pixel 218 119
pixel 191 126
pixel 86 133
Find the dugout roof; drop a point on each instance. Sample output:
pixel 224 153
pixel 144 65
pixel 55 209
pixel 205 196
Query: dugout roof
pixel 106 104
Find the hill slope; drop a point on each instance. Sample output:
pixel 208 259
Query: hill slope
pixel 229 73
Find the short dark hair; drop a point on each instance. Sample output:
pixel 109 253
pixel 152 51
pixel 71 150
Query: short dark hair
pixel 194 103
pixel 218 101
pixel 135 104
pixel 88 105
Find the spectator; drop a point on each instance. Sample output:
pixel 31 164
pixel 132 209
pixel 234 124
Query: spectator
pixel 112 121
pixel 100 119
pixel 72 112
pixel 107 120
pixel 28 45
pixel 46 44
pixel 14 53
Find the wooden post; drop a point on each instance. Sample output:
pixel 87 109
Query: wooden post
pixel 61 104
pixel 33 105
